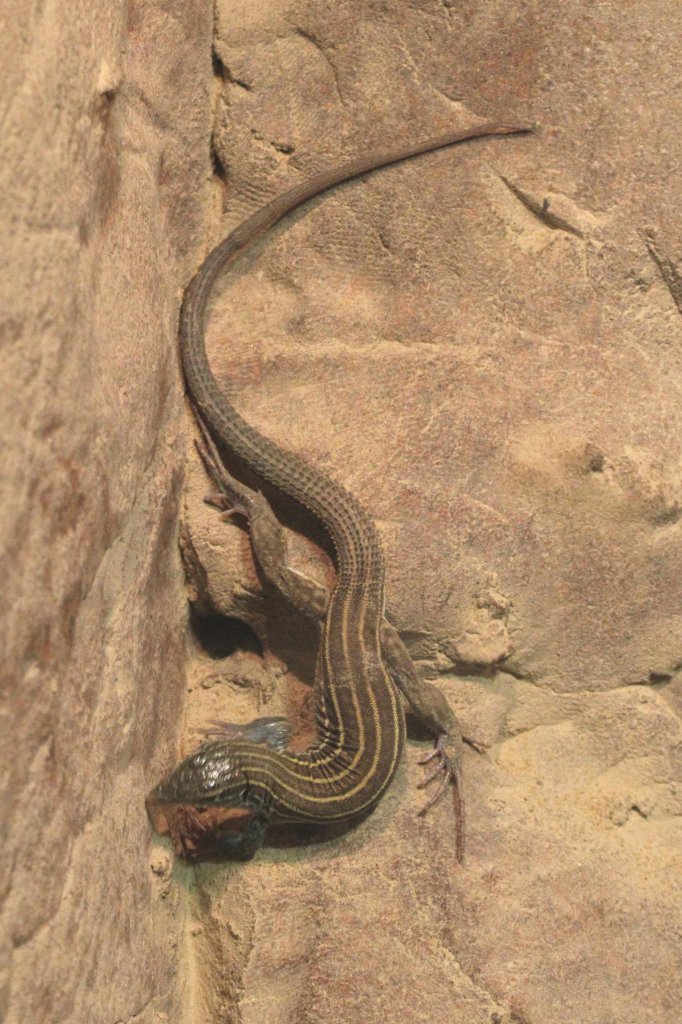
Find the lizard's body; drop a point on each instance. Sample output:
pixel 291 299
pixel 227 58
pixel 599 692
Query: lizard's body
pixel 359 716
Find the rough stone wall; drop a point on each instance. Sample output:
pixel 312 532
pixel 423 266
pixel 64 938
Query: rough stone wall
pixel 105 119
pixel 484 345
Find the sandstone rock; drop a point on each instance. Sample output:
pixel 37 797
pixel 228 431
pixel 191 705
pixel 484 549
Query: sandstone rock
pixel 481 345
pixel 484 345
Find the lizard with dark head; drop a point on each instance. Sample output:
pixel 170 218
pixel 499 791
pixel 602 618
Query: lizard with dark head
pixel 362 665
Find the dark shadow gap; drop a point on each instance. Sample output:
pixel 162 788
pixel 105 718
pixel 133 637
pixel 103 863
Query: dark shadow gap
pixel 219 636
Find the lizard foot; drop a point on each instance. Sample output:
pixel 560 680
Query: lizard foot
pixel 478 745
pixel 227 502
pixel 447 770
pixel 274 731
pixel 231 498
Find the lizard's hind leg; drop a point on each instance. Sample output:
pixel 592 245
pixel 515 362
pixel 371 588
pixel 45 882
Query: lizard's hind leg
pixel 310 599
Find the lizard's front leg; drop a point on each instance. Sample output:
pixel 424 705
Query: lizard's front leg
pixel 310 599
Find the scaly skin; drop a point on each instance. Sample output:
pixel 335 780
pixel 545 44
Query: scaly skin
pixel 359 717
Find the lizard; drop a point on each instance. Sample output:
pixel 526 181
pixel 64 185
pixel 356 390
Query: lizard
pixel 246 773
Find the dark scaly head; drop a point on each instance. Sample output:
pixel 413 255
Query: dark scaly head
pixel 212 775
pixel 215 774
pixel 204 795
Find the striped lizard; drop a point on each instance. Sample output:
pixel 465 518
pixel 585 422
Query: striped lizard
pixel 246 773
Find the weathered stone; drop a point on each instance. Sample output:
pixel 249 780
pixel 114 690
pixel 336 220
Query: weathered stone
pixel 105 126
pixel 484 345
pixel 481 345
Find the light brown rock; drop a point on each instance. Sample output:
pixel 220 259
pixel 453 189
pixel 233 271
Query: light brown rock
pixel 104 113
pixel 484 345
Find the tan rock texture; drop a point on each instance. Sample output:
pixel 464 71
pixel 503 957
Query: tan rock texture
pixel 485 345
pixel 103 198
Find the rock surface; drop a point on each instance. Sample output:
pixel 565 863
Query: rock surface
pixel 105 119
pixel 485 346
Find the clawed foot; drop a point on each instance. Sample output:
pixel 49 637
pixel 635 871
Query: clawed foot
pixel 228 502
pixel 478 745
pixel 231 498
pixel 447 770
pixel 444 769
pixel 218 728
pixel 274 731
